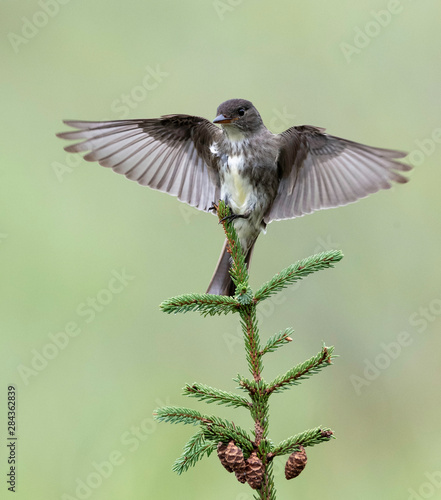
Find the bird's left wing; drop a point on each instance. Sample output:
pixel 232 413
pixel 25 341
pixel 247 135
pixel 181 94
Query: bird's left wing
pixel 319 171
pixel 171 153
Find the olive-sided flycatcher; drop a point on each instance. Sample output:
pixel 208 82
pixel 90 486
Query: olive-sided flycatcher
pixel 261 176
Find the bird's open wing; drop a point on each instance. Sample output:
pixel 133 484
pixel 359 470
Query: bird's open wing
pixel 171 153
pixel 319 171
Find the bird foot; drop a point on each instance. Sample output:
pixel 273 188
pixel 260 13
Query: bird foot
pixel 228 218
pixel 231 217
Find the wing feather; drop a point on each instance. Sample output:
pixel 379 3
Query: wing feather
pixel 170 154
pixel 320 171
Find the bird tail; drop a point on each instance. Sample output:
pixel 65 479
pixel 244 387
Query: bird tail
pixel 221 282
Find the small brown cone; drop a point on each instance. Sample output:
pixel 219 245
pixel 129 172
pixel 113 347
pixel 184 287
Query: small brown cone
pixel 231 457
pixel 254 471
pixel 241 477
pixel 296 463
pixel 221 448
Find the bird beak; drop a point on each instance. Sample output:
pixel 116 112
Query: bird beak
pixel 223 119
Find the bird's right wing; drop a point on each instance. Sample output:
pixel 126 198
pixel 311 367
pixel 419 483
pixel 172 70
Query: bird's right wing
pixel 171 153
pixel 319 171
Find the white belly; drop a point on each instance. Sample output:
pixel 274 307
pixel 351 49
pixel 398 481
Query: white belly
pixel 236 188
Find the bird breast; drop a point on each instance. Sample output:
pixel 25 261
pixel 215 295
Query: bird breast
pixel 237 186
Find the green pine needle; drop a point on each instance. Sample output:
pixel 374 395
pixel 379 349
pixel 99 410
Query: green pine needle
pixel 251 386
pixel 213 428
pixel 195 449
pixel 209 394
pixel 277 340
pixel 307 438
pixel 204 303
pixel 217 429
pixel 302 371
pixel 177 415
pixel 298 271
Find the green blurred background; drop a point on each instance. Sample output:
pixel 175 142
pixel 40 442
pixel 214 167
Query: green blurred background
pixel 67 226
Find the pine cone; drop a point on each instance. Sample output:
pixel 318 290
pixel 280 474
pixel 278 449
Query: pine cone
pixel 296 463
pixel 231 457
pixel 241 477
pixel 221 448
pixel 254 471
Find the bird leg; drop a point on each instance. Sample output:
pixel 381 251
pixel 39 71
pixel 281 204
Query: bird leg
pixel 232 217
pixel 214 207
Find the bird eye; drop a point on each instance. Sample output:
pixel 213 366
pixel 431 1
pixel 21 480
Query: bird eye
pixel 241 111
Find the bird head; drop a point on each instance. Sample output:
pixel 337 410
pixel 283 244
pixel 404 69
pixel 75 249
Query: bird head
pixel 238 117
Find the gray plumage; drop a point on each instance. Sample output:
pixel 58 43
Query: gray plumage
pixel 260 175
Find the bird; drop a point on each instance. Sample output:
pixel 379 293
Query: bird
pixel 261 176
